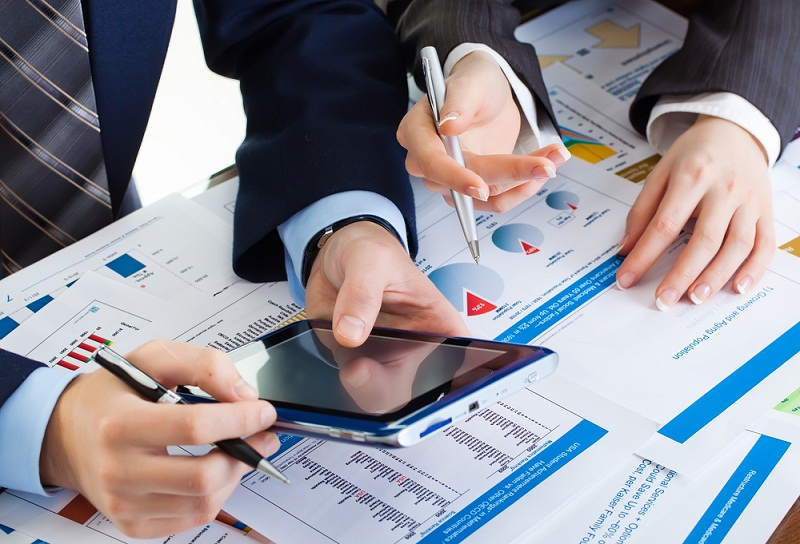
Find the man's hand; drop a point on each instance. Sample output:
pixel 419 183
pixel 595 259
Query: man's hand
pixel 715 172
pixel 363 277
pixel 479 108
pixel 109 444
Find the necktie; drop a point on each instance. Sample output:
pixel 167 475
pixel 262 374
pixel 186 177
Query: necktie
pixel 53 188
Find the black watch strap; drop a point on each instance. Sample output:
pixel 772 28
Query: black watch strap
pixel 319 239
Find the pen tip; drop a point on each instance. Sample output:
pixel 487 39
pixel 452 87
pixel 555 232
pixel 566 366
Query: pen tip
pixel 269 470
pixel 473 249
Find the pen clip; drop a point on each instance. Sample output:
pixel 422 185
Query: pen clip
pixel 426 71
pixel 118 365
pixel 134 377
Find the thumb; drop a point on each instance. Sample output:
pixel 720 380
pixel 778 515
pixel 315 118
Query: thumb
pixel 357 305
pixel 462 106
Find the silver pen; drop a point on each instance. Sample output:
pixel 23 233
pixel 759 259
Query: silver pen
pixel 434 81
pixel 153 391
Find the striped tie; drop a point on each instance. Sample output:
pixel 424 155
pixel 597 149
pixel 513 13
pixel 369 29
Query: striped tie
pixel 53 188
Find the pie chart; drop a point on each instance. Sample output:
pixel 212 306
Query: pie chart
pixel 469 287
pixel 518 238
pixel 563 200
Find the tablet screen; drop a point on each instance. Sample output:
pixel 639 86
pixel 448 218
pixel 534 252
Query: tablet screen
pixel 385 378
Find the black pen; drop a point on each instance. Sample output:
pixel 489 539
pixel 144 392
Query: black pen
pixel 150 389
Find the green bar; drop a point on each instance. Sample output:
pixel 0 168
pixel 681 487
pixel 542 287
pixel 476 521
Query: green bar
pixel 791 404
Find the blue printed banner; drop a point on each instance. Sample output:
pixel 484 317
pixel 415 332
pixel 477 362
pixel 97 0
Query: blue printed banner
pixel 563 304
pixel 738 491
pixel 720 397
pixel 526 477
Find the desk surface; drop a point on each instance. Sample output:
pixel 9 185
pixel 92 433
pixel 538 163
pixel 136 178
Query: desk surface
pixel 788 532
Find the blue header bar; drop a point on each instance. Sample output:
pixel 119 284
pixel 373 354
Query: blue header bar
pixel 723 395
pixel 738 491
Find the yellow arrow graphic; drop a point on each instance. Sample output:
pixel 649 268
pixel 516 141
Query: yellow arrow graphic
pixel 613 35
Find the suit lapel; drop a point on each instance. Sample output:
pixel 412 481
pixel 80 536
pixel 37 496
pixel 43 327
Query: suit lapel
pixel 127 45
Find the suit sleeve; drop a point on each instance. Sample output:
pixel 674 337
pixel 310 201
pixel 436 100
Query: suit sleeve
pixel 746 47
pixel 324 89
pixel 15 369
pixel 446 24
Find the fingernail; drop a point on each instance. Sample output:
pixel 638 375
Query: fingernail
pixel 666 299
pixel 621 244
pixel 449 117
pixel 477 192
pixel 350 327
pixel 744 285
pixel 543 172
pixel 244 390
pixel 625 280
pixel 700 294
pixel 559 155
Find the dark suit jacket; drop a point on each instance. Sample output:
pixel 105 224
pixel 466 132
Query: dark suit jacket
pixel 746 47
pixel 324 90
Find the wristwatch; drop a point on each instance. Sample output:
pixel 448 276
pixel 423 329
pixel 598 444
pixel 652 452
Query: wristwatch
pixel 319 239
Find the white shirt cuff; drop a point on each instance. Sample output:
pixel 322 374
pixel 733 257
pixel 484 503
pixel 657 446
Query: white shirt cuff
pixel 536 131
pixel 23 421
pixel 673 115
pixel 297 231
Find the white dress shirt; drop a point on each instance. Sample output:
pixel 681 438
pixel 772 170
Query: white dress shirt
pixel 671 116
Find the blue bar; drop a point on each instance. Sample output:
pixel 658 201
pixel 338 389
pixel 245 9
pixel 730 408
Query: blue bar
pixel 39 303
pixel 738 491
pixel 125 265
pixel 564 303
pixel 720 397
pixel 536 470
pixel 6 326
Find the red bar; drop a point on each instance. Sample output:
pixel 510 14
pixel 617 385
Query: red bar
pixel 78 356
pixel 87 347
pixel 99 339
pixel 65 364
